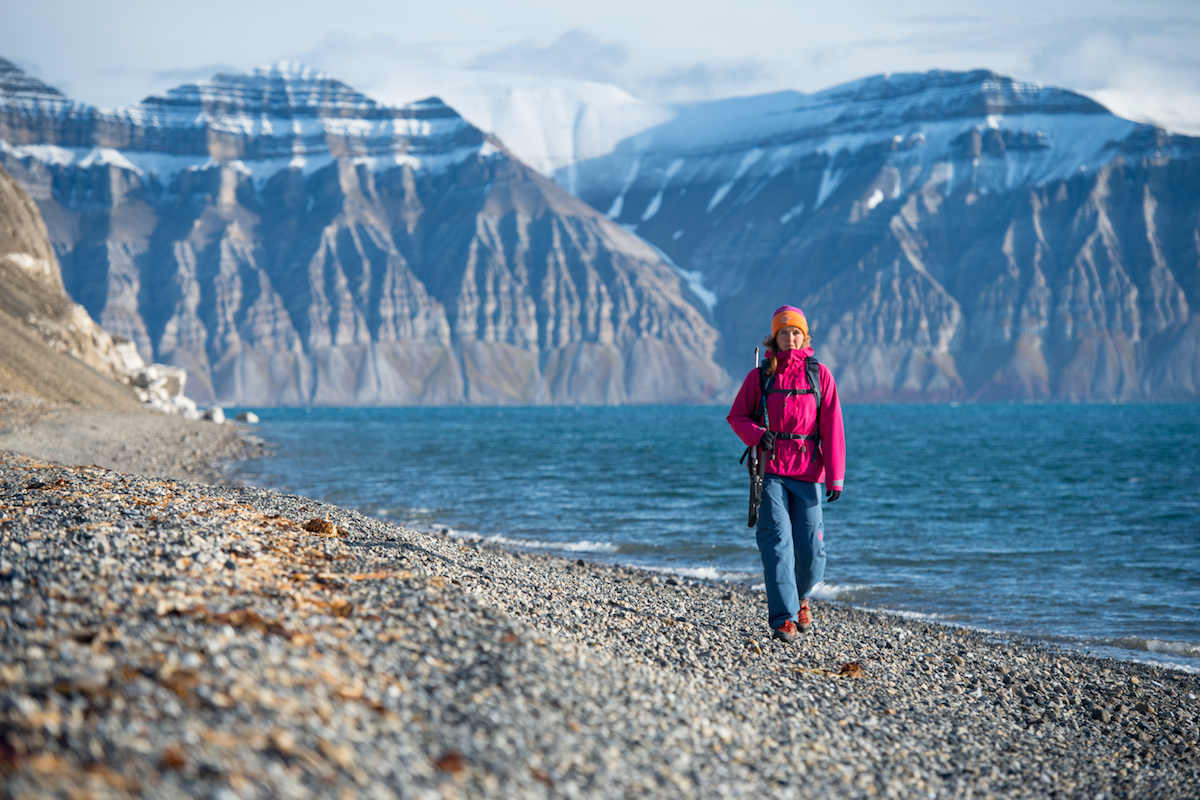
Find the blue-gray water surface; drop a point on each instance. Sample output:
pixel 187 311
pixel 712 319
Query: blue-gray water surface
pixel 1080 524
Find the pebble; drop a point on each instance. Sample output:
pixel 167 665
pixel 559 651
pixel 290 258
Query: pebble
pixel 165 637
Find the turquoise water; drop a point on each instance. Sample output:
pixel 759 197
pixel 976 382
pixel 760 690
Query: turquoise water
pixel 1079 524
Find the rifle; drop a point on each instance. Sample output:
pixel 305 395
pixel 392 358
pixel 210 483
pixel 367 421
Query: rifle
pixel 757 468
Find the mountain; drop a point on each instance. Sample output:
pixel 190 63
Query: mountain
pixel 951 236
pixel 288 240
pixel 49 346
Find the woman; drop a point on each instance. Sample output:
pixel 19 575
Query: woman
pixel 804 446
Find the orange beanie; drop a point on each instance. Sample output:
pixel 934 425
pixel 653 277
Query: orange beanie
pixel 788 315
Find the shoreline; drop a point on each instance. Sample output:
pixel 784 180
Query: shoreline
pixel 163 637
pixel 141 441
pixel 1101 649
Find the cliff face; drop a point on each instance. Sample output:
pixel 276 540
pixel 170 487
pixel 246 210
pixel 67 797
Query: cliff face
pixel 950 235
pixel 287 241
pixel 49 346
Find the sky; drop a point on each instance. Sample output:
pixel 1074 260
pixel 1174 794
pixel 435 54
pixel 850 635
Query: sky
pixel 1141 60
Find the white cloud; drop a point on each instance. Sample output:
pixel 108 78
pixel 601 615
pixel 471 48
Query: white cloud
pixel 1141 59
pixel 576 54
pixel 702 81
pixel 1136 69
pixel 380 65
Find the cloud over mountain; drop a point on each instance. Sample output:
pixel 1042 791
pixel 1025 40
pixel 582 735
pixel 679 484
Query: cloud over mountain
pixel 576 54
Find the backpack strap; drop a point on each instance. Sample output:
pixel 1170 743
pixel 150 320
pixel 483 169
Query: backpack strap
pixel 766 386
pixel 812 369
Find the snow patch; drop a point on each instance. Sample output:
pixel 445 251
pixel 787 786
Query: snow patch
pixel 46 153
pixel 693 278
pixel 829 181
pixel 165 167
pixel 748 160
pixel 618 203
pixel 792 213
pixel 695 281
pixel 654 205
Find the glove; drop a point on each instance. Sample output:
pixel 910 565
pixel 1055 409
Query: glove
pixel 767 442
pixel 831 495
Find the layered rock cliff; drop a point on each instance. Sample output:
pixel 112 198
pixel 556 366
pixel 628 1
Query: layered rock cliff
pixel 950 235
pixel 288 241
pixel 49 346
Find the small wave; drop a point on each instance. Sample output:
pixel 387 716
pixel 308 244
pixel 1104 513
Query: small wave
pixel 700 573
pixel 1179 656
pixel 583 546
pixel 402 514
pixel 586 547
pixel 920 616
pixel 1163 646
pixel 832 591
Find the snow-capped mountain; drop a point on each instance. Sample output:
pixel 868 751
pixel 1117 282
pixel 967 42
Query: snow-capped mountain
pixel 950 235
pixel 282 117
pixel 287 239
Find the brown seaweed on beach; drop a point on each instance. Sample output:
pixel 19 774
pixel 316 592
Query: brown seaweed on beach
pixel 851 669
pixel 322 527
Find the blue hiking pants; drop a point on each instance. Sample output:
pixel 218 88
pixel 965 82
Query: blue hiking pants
pixel 792 543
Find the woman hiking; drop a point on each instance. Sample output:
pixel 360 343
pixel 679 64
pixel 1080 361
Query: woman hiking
pixel 801 438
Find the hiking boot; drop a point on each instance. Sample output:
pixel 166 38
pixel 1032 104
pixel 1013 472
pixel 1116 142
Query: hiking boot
pixel 804 617
pixel 786 632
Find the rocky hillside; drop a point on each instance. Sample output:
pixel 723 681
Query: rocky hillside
pixel 287 240
pixel 950 235
pixel 49 346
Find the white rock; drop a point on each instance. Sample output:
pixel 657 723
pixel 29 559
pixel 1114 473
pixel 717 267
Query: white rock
pixel 216 414
pixel 183 404
pixel 159 386
pixel 127 352
pixel 247 416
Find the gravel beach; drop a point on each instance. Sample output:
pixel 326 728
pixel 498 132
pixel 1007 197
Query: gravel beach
pixel 163 637
pixel 139 441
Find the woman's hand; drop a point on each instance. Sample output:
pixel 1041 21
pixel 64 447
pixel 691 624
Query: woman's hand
pixel 831 495
pixel 767 442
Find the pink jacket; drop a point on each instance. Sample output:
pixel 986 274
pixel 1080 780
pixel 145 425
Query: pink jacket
pixel 796 414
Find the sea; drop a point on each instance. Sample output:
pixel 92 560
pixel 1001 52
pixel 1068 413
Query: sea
pixel 1074 524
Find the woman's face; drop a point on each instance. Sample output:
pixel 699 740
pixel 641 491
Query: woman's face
pixel 789 338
